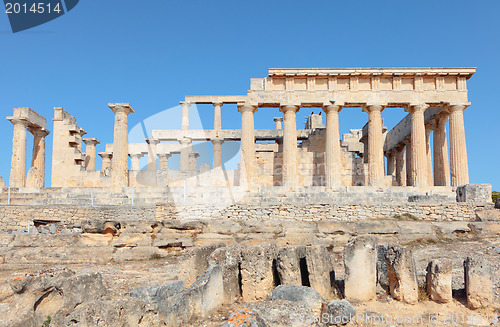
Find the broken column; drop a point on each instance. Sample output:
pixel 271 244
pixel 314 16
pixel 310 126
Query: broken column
pixel 119 176
pixel 438 280
pixel 402 274
pixel 90 152
pixel 217 154
pixel 478 283
pixel 164 160
pixel 320 270
pixel 360 261
pixel 135 161
pixel 193 158
pixel 257 277
pixel 152 159
pixel 186 148
pixel 38 156
pixel 288 264
pixel 106 160
pixel 18 163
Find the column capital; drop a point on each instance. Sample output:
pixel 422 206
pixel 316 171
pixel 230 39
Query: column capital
pixel 185 104
pixel 373 108
pixel 194 154
pixel 121 107
pixel 331 107
pixel 91 141
pixel 134 155
pixel 456 107
pixel 278 119
pixel 411 108
pixel 185 141
pixel 152 141
pixel 243 107
pixel 217 141
pixel 164 155
pixel 217 104
pixel 41 132
pixel 18 121
pixel 106 155
pixel 289 108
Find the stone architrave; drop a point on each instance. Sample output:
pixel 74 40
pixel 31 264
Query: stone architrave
pixel 402 274
pixel 360 261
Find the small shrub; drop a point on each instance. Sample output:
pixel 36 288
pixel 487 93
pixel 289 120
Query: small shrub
pixel 396 216
pixel 155 256
pixel 409 216
pixel 495 195
pixel 46 323
pixel 423 295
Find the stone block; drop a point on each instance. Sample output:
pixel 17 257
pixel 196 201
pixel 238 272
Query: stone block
pixel 244 317
pixel 401 272
pixel 438 280
pixel 195 262
pixel 290 264
pixel 475 193
pixel 303 294
pixel 161 293
pixel 360 259
pixel 257 271
pixel 320 270
pixel 229 259
pixel 432 198
pixel 337 312
pixel 478 283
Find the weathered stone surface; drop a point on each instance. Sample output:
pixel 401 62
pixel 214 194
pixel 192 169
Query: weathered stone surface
pixel 337 312
pixel 382 277
pixel 257 275
pixel 2 183
pixel 229 259
pixel 402 274
pixel 34 178
pixel 100 226
pixel 288 264
pixel 320 271
pixel 478 283
pixel 303 294
pixel 197 301
pixel 284 313
pixel 158 294
pixel 477 193
pixel 488 214
pixel 244 318
pixel 360 260
pixel 195 262
pixel 438 280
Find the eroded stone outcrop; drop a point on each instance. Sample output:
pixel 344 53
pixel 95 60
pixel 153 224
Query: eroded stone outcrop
pixel 257 271
pixel 438 280
pixel 360 259
pixel 402 274
pixel 478 283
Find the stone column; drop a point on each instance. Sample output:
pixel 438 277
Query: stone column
pixel 375 145
pixel 90 152
pixel 186 146
pixel 428 129
pixel 185 115
pixel 135 161
pixel 290 162
pixel 119 175
pixel 409 161
pixel 441 163
pixel 18 163
pixel 164 160
pixel 193 156
pixel 152 160
pixel 458 148
pixel 400 166
pixel 106 160
pixel 217 116
pixel 418 147
pixel 247 143
pixel 278 121
pixel 333 162
pixel 38 156
pixel 217 155
pixel 391 163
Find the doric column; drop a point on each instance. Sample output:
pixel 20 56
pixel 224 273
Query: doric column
pixel 193 156
pixel 217 155
pixel 441 163
pixel 90 152
pixel 247 143
pixel 409 162
pixel 400 166
pixel 418 148
pixel 458 148
pixel 164 159
pixel 185 115
pixel 290 162
pixel 186 146
pixel 333 162
pixel 152 160
pixel 106 160
pixel 38 156
pixel 375 145
pixel 430 177
pixel 217 116
pixel 119 170
pixel 391 163
pixel 135 161
pixel 18 163
pixel 278 121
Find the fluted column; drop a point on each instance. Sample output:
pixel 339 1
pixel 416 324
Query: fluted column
pixel 409 162
pixel 18 162
pixel 418 145
pixel 119 175
pixel 38 156
pixel 186 146
pixel 290 162
pixel 333 162
pixel 400 166
pixel 164 159
pixel 428 129
pixel 278 121
pixel 90 152
pixel 152 153
pixel 217 154
pixel 106 160
pixel 458 148
pixel 375 145
pixel 441 163
pixel 135 161
pixel 185 115
pixel 247 143
pixel 217 116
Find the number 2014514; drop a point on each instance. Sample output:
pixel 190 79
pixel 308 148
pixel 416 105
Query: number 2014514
pixel 35 8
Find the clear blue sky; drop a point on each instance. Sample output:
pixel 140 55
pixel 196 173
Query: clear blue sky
pixel 152 53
